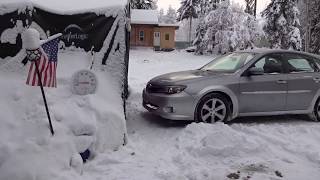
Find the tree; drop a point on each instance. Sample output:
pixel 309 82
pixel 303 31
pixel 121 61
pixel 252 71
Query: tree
pixel 143 4
pixel 171 16
pixel 161 16
pixel 282 24
pixel 229 29
pixel 188 10
pixel 314 16
pixel 225 29
pixel 251 7
pixel 205 7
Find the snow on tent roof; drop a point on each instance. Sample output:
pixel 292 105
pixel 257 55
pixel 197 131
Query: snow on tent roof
pixel 63 6
pixel 74 6
pixel 8 6
pixel 141 16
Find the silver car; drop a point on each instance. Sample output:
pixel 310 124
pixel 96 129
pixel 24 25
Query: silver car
pixel 245 83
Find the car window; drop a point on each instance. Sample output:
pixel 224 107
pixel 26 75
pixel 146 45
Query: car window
pixel 298 64
pixel 270 65
pixel 229 63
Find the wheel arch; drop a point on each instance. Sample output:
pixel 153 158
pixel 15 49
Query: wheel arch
pixel 225 92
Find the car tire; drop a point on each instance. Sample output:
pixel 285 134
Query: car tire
pixel 213 107
pixel 315 116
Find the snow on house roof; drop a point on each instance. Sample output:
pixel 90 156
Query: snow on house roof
pixel 141 16
pixel 63 6
pixel 169 25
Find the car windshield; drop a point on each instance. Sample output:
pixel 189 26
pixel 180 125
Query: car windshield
pixel 229 63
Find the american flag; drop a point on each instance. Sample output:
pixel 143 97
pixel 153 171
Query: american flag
pixel 47 66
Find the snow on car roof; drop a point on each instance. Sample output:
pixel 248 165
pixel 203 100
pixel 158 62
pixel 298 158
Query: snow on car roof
pixel 63 7
pixel 141 16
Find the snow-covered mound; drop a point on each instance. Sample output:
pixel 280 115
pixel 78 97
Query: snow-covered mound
pixel 219 140
pixel 95 122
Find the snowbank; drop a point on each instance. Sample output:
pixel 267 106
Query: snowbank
pixel 94 122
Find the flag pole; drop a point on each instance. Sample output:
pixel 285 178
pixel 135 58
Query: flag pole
pixel 32 43
pixel 44 98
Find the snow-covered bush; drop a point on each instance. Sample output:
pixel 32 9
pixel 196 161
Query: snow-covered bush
pixel 225 29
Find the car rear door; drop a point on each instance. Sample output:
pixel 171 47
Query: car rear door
pixel 303 81
pixel 267 92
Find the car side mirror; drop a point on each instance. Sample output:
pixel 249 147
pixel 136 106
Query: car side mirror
pixel 254 71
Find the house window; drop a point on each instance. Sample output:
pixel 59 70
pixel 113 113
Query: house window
pixel 167 37
pixel 141 36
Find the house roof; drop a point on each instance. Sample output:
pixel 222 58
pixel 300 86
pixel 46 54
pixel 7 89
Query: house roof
pixel 142 16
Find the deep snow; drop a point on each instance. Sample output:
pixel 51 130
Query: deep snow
pixel 95 122
pixel 253 148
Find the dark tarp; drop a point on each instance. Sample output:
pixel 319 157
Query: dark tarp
pixel 85 30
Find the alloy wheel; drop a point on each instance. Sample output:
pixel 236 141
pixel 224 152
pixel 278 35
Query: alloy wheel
pixel 214 110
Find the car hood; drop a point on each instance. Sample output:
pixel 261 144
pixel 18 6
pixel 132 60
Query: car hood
pixel 176 77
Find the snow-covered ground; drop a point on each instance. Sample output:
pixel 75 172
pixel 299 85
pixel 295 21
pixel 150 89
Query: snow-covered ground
pixel 251 148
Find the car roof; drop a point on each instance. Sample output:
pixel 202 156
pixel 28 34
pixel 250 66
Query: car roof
pixel 268 51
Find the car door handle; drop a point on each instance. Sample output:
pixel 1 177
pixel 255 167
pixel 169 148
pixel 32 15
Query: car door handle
pixel 282 82
pixel 317 80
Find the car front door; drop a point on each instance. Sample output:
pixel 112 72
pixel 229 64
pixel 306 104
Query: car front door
pixel 267 92
pixel 303 81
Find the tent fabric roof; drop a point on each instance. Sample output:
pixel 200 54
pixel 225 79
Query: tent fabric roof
pixel 79 5
pixel 64 6
pixel 141 16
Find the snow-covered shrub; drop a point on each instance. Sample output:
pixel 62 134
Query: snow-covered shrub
pixel 226 29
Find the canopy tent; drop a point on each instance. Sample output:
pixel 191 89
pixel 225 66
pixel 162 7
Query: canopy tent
pixel 100 27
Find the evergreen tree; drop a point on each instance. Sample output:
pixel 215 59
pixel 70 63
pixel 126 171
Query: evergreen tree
pixel 315 26
pixel 188 10
pixel 282 26
pixel 143 4
pixel 171 16
pixel 161 16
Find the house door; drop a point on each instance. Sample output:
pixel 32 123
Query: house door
pixel 156 40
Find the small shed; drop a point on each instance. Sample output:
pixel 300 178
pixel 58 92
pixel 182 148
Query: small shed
pixel 148 32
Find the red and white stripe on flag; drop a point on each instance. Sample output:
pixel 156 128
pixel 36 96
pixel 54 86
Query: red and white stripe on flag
pixel 47 71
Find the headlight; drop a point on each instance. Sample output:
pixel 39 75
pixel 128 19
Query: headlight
pixel 165 89
pixel 175 89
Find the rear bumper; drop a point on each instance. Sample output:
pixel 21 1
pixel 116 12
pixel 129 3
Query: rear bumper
pixel 179 106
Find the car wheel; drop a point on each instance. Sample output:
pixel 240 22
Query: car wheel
pixel 213 108
pixel 315 116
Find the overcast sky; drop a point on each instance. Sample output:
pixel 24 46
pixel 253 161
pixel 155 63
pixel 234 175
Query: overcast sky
pixel 176 4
